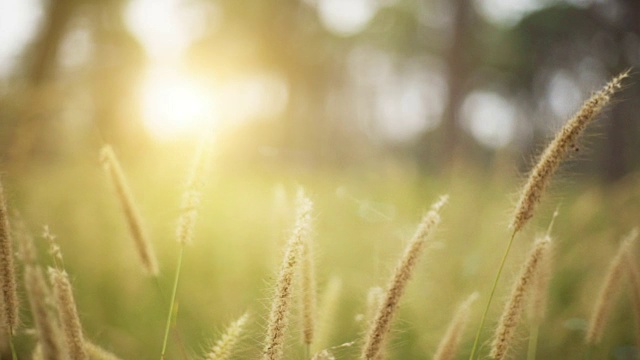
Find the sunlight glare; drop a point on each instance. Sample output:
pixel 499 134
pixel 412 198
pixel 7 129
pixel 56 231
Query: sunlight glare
pixel 175 105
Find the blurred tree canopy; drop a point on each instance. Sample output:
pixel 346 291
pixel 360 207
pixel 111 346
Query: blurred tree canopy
pixel 414 81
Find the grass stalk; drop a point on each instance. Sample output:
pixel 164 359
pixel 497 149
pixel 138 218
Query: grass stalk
pixel 172 303
pixel 533 342
pixel 474 349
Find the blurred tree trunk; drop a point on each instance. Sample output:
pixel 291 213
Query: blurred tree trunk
pixel 458 62
pixel 38 76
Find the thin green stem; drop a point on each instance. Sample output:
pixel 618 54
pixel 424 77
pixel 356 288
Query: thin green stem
pixel 172 303
pixel 14 355
pixel 533 342
pixel 493 291
pixel 176 331
pixel 307 351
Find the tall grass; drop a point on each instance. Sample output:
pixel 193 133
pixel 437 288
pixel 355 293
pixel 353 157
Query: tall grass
pixel 352 235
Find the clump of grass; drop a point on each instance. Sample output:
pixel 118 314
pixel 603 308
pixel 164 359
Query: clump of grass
pixel 9 315
pixel 514 306
pixel 69 319
pixel 543 171
pixel 448 347
pixel 50 344
pixel 223 348
pixel 381 324
pixel 609 290
pixel 132 215
pixel 280 308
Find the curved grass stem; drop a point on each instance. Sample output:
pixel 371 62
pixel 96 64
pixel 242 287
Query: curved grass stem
pixel 172 303
pixel 493 291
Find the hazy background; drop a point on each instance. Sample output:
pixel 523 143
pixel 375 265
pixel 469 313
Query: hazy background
pixel 376 107
pixel 330 83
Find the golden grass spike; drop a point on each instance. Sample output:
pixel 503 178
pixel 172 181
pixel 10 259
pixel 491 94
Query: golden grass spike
pixel 192 193
pixel 448 347
pixel 280 308
pixel 9 315
pixel 557 150
pixel 513 308
pixel 47 328
pixel 134 220
pixel 69 319
pixel 309 297
pixel 223 348
pixel 609 290
pixel 381 324
pixel 540 290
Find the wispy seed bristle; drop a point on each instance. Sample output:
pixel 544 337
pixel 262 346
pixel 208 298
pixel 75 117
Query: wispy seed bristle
pixel 9 316
pixel 379 328
pixel 280 308
pixel 558 149
pixel 448 347
pixel 223 348
pixel 510 317
pixel 609 290
pixel 134 220
pixel 69 319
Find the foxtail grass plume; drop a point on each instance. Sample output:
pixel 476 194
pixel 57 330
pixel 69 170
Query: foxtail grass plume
pixel 540 289
pixel 223 348
pixel 610 289
pixel 380 326
pixel 557 150
pixel 308 287
pixel 134 220
pixel 448 347
pixel 281 305
pixel 9 315
pixel 69 319
pixel 510 317
pixel 193 189
pixel 47 328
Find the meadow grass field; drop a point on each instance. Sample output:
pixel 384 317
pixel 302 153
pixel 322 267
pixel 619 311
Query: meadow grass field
pixel 117 231
pixel 362 219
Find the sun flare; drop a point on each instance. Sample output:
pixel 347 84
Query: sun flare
pixel 176 105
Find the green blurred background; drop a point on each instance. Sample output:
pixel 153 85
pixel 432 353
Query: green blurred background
pixel 374 106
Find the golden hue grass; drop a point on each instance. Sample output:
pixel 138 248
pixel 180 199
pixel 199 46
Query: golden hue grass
pixel 510 317
pixel 610 289
pixel 193 192
pixel 448 347
pixel 69 319
pixel 223 348
pixel 353 232
pixel 557 150
pixel 280 308
pixel 132 215
pixel 381 324
pixel 9 314
pixel 308 288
